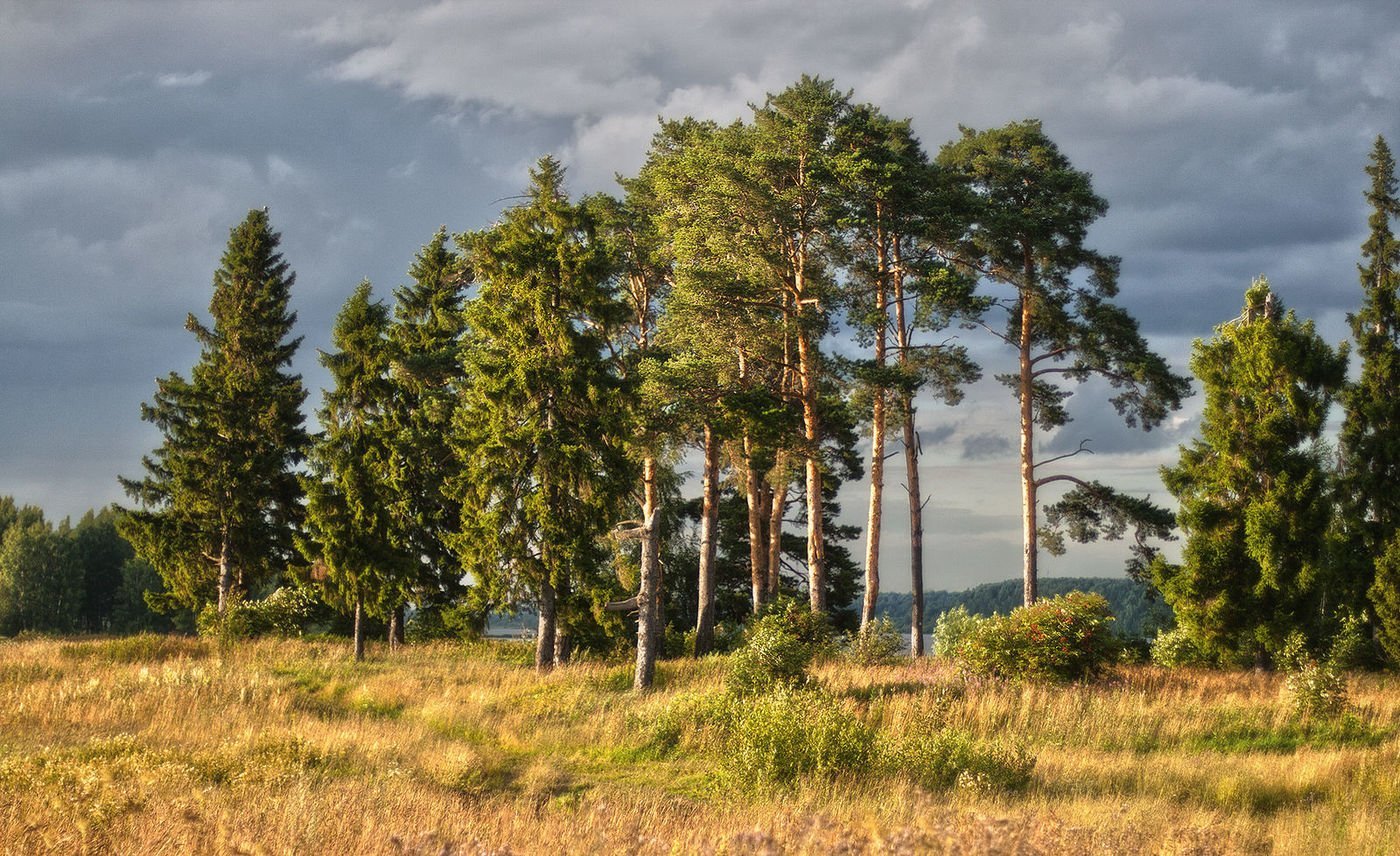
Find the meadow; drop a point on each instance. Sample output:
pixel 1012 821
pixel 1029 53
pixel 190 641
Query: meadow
pixel 168 745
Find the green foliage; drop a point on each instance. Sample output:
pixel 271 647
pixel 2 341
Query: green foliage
pixel 878 643
pixel 780 738
pixel 1030 213
pixel 1253 490
pixel 953 627
pixel 424 345
pixel 460 621
pixel 41 579
pixel 540 429
pixel 220 500
pixel 1137 609
pixel 1177 647
pixel 1385 599
pixel 777 651
pixel 937 758
pixel 350 536
pixel 1060 639
pixel 1368 513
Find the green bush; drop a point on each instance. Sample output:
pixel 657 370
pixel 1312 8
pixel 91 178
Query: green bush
pixel 777 739
pixel 1176 648
pixel 773 658
pixel 779 647
pixel 937 757
pixel 1064 638
pixel 876 644
pixel 951 628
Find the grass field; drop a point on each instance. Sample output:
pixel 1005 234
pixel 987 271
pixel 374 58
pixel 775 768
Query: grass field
pixel 170 745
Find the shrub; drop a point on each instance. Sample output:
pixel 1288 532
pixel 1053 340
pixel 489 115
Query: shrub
pixel 937 758
pixel 777 739
pixel 1176 648
pixel 1318 688
pixel 951 628
pixel 774 657
pixel 876 644
pixel 1060 639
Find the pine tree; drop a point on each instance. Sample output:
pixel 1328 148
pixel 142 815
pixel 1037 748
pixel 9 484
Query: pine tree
pixel 424 345
pixel 1031 215
pixel 544 472
pixel 220 502
pixel 1369 442
pixel 349 524
pixel 1253 489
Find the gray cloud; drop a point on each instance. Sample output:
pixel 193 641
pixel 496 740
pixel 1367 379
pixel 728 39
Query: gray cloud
pixel 976 447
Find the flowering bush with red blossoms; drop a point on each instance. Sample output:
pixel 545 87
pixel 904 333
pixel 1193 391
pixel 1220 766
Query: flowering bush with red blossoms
pixel 1064 638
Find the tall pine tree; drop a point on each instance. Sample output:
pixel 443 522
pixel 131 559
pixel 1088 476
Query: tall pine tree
pixel 220 502
pixel 1370 437
pixel 349 524
pixel 539 429
pixel 1030 221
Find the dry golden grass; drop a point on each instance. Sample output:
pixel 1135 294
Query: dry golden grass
pixel 172 746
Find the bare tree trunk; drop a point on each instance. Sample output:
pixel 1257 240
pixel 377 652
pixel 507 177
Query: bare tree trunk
pixel 563 642
pixel 709 516
pixel 1028 500
pixel 904 333
pixel 225 575
pixel 753 491
pixel 812 434
pixel 649 594
pixel 777 506
pixel 545 629
pixel 916 530
pixel 396 630
pixel 359 631
pixel 877 445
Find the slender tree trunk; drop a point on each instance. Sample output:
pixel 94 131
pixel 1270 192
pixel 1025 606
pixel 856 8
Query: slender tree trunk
pixel 1028 509
pixel 777 506
pixel 649 594
pixel 812 434
pixel 877 482
pixel 916 529
pixel 545 630
pixel 396 629
pixel 904 333
pixel 753 492
pixel 709 517
pixel 225 575
pixel 359 631
pixel 563 641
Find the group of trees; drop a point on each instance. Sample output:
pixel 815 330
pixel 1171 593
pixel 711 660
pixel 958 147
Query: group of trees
pixel 69 578
pixel 1284 536
pixel 508 432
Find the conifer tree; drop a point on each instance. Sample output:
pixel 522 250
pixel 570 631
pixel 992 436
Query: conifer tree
pixel 1369 442
pixel 1253 493
pixel 220 502
pixel 424 346
pixel 1031 216
pixel 349 524
pixel 544 472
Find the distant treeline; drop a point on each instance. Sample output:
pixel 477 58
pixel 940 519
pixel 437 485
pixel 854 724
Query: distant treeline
pixel 1138 614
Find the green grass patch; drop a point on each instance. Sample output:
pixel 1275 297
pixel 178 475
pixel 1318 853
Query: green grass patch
pixel 143 648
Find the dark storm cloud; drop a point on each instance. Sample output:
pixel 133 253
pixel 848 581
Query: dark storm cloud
pixel 976 447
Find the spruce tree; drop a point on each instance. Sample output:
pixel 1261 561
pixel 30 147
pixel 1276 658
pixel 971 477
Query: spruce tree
pixel 220 502
pixel 1253 492
pixel 539 428
pixel 349 525
pixel 424 347
pixel 1369 441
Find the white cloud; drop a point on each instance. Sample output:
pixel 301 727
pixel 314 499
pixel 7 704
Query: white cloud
pixel 183 80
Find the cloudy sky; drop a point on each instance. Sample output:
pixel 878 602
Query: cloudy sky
pixel 1229 139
